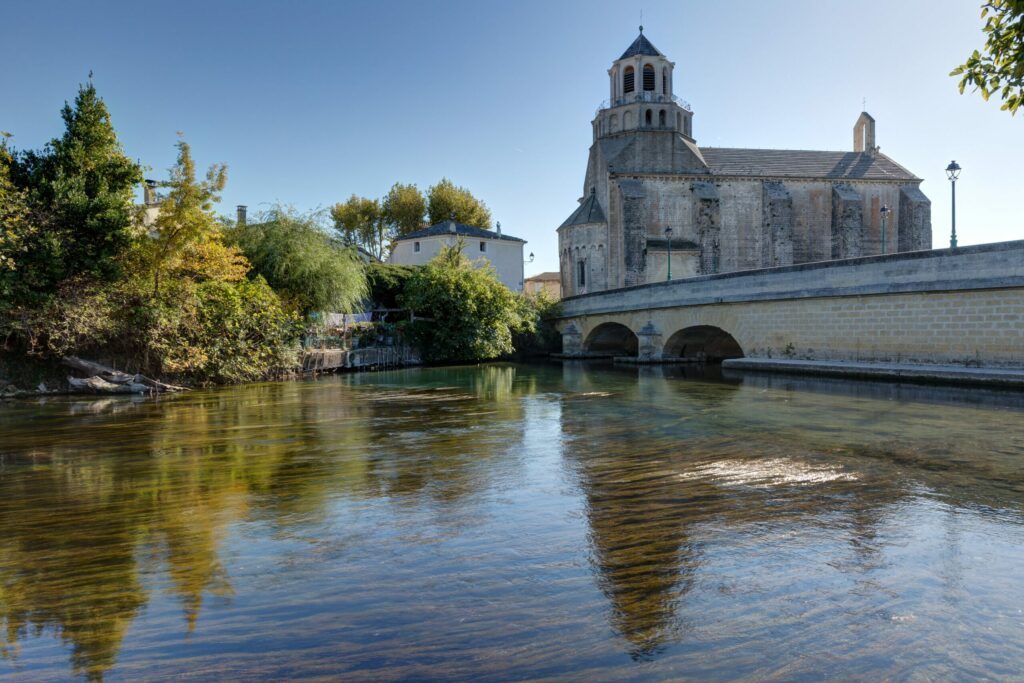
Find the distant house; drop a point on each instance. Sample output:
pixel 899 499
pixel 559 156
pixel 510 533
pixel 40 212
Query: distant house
pixel 481 246
pixel 550 283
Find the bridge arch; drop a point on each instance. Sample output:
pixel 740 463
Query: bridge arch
pixel 612 338
pixel 704 342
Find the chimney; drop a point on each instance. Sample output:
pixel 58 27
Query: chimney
pixel 451 224
pixel 241 213
pixel 149 192
pixel 499 228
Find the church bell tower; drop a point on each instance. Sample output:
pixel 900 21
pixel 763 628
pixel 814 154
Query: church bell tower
pixel 641 96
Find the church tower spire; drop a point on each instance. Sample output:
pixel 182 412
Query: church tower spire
pixel 641 94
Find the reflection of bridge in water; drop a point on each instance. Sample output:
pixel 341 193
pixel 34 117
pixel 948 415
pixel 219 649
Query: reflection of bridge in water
pixel 961 308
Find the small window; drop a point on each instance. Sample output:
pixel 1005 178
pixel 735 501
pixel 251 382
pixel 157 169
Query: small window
pixel 647 117
pixel 649 77
pixel 581 273
pixel 483 246
pixel 661 118
pixel 664 80
pixel 627 80
pixel 415 246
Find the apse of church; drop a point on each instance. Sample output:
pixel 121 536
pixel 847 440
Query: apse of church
pixel 728 209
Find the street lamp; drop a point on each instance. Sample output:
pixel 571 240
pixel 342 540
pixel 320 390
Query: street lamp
pixel 668 239
pixel 529 260
pixel 953 172
pixel 885 214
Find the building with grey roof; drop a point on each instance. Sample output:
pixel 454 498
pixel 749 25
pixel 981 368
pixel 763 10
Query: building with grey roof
pixel 725 209
pixel 483 247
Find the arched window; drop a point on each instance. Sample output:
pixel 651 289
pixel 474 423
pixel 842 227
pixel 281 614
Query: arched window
pixel 647 117
pixel 649 77
pixel 627 80
pixel 627 120
pixel 679 122
pixel 661 118
pixel 614 122
pixel 664 80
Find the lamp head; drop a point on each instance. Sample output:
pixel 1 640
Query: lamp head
pixel 953 170
pixel 884 210
pixel 668 231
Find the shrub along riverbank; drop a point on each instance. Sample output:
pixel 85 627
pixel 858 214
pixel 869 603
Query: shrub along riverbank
pixel 191 298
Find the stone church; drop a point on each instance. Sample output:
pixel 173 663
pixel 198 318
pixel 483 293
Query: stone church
pixel 650 191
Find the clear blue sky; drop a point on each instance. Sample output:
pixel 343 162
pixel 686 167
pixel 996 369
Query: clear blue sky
pixel 309 102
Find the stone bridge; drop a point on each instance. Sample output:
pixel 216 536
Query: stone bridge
pixel 960 306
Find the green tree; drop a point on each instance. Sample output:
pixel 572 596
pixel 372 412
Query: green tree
pixel 187 236
pixel 86 185
pixel 301 261
pixel 387 282
pixel 16 226
pixel 999 68
pixel 446 199
pixel 403 209
pixel 468 314
pixel 360 221
pixel 227 332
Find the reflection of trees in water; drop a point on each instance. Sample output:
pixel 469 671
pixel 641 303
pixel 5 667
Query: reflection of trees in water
pixel 642 548
pixel 450 435
pixel 98 499
pixel 652 510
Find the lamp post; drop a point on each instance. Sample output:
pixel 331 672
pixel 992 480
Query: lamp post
pixel 885 214
pixel 668 239
pixel 529 260
pixel 953 172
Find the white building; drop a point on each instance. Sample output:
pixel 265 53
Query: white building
pixel 481 246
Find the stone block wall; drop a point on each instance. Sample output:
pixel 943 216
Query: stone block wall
pixel 776 225
pixel 634 231
pixel 915 220
pixel 847 222
pixel 707 219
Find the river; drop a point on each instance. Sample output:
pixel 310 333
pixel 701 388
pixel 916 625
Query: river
pixel 516 522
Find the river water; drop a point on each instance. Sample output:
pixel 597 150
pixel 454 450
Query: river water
pixel 516 522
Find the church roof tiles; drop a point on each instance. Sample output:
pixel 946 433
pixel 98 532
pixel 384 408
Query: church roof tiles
pixel 793 163
pixel 641 46
pixel 461 229
pixel 588 212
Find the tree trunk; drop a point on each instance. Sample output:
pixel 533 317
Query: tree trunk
pixel 112 381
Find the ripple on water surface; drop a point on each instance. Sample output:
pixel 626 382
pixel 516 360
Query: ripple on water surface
pixel 516 522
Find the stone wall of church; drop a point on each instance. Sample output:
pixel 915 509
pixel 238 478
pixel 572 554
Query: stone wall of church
pixel 745 223
pixel 587 245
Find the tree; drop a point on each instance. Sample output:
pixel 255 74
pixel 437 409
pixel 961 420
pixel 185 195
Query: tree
pixel 359 221
pixel 387 282
pixel 187 237
pixel 1000 69
pixel 301 262
pixel 469 315
pixel 403 209
pixel 16 227
pixel 86 185
pixel 446 199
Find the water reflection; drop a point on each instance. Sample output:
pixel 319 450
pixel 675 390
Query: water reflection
pixel 553 521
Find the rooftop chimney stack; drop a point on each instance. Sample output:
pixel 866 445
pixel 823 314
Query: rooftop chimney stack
pixel 499 228
pixel 149 192
pixel 241 213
